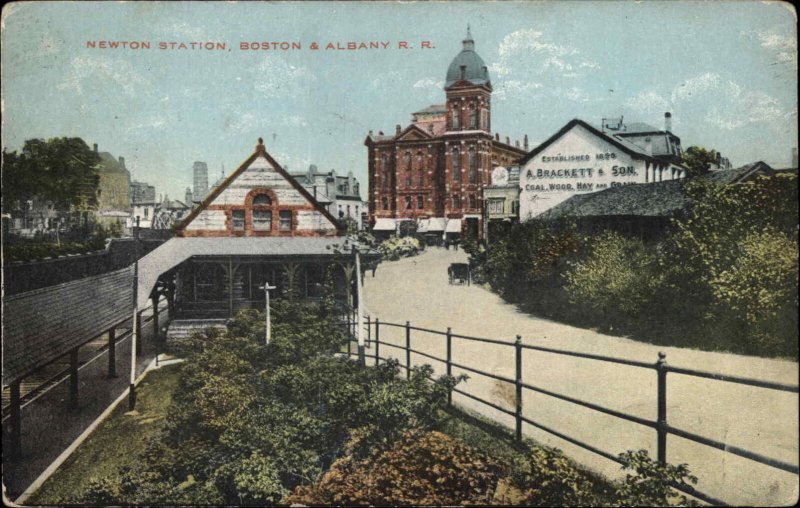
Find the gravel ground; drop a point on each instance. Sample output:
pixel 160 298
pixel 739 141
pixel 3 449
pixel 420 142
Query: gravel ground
pixel 764 421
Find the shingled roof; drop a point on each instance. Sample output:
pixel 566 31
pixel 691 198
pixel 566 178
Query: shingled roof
pixel 660 199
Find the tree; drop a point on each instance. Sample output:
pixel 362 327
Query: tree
pixel 698 160
pixel 61 170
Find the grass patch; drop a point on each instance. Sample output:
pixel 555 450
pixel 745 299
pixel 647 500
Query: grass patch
pixel 115 443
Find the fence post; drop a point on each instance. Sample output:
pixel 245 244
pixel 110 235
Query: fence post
pixel 661 422
pixel 518 386
pixel 369 332
pixel 408 350
pixel 112 352
pixel 377 346
pixel 449 364
pixel 377 334
pixel 73 379
pixel 16 420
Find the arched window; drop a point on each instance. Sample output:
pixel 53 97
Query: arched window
pixel 262 200
pixel 420 202
pixel 473 118
pixel 456 164
pixel 456 118
pixel 473 165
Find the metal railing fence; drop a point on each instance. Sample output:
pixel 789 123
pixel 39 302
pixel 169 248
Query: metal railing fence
pixel 660 366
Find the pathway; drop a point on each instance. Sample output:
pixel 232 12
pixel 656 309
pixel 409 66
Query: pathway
pixel 764 421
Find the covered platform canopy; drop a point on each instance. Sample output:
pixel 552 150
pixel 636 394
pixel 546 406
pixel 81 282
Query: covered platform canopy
pixel 177 250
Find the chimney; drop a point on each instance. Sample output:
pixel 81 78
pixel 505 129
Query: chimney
pixel 648 145
pixel 526 142
pixel 497 136
pixel 397 130
pixel 668 121
pixel 95 147
pixel 122 162
pixel 508 140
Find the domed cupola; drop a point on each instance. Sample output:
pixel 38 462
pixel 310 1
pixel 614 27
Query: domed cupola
pixel 467 66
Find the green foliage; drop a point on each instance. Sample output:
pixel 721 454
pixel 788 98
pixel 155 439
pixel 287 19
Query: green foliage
pixel 62 170
pixel 724 277
pixel 395 247
pixel 698 160
pixel 652 483
pixel 249 421
pixel 617 278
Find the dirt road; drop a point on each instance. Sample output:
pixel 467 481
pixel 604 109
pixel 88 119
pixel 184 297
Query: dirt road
pixel 416 289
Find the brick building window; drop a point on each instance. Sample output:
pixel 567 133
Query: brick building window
pixel 420 202
pixel 456 201
pixel 456 164
pixel 473 204
pixel 456 119
pixel 285 220
pixel 385 203
pixel 421 177
pixel 473 118
pixel 473 165
pixel 237 220
pixel 408 179
pixel 262 220
pixel 484 120
pixel 407 161
pixel 408 202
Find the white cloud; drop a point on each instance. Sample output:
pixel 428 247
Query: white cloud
pixel 275 77
pixel 783 47
pixel 530 49
pixel 729 105
pixel 84 71
pixel 513 88
pixel 694 86
pixel 744 107
pixel 438 84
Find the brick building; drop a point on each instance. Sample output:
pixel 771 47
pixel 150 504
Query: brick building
pixel 437 166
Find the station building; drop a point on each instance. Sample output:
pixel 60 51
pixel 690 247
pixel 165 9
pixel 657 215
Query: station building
pixel 434 170
pixel 582 158
pixel 258 226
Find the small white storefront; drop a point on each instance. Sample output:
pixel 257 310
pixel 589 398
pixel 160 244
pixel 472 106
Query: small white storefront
pixel 582 159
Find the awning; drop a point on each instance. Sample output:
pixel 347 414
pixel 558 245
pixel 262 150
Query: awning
pixel 453 226
pixel 437 224
pixel 422 226
pixel 384 225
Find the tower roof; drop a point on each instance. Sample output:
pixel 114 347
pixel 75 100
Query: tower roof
pixel 467 65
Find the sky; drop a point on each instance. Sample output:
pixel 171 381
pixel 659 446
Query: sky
pixel 727 71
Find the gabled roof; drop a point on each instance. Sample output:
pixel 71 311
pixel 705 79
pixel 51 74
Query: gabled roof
pixel 740 174
pixel 625 146
pixel 413 129
pixel 262 152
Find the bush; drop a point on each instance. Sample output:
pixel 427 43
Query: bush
pixel 395 247
pixel 421 468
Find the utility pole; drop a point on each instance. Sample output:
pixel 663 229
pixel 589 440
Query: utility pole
pixel 134 331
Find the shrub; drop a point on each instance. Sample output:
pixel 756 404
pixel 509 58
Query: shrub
pixel 421 468
pixel 395 247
